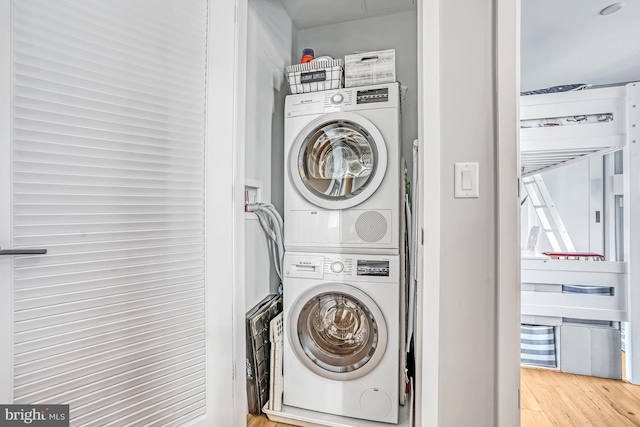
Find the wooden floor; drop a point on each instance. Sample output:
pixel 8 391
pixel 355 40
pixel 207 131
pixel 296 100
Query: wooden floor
pixel 554 399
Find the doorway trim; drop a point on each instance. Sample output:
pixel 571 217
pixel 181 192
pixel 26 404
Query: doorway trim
pixel 507 113
pixel 225 232
pixel 506 75
pixel 236 106
pixel 427 332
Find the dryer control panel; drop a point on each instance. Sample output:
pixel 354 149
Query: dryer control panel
pixel 369 96
pixel 344 99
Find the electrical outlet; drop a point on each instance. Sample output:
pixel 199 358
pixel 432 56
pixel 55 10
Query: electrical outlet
pixel 252 191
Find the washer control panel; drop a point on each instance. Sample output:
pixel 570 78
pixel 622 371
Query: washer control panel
pixel 348 266
pixel 339 267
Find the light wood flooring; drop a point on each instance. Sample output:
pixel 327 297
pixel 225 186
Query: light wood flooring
pixel 554 399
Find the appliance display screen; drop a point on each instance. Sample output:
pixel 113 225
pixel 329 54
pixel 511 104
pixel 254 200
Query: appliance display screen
pixel 369 96
pixel 373 268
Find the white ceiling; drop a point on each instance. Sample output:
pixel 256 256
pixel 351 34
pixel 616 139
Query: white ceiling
pixel 315 13
pixel 568 41
pixel 562 41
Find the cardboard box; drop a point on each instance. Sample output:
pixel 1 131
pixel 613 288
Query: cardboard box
pixel 362 69
pixel 590 350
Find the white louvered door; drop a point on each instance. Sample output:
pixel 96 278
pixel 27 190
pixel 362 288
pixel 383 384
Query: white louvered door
pixel 103 164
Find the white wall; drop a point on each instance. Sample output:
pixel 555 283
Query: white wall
pixel 466 279
pixel 575 190
pixel 397 31
pixel 269 43
pixel 260 276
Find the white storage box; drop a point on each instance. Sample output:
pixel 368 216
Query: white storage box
pixel 590 350
pixel 316 76
pixel 363 69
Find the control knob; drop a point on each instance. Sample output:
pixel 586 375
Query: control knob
pixel 337 267
pixel 337 98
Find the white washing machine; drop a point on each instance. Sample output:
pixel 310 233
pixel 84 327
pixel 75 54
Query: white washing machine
pixel 342 179
pixel 341 345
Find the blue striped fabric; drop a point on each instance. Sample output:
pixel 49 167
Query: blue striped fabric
pixel 538 346
pixel 586 289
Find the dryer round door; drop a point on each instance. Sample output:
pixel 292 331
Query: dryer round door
pixel 338 161
pixel 337 331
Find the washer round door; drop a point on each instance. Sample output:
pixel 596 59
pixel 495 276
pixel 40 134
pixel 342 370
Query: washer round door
pixel 338 161
pixel 337 331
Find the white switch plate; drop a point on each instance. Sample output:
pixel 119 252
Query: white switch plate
pixel 466 181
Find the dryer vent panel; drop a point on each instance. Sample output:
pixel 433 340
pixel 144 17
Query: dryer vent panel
pixel 371 226
pixel 366 226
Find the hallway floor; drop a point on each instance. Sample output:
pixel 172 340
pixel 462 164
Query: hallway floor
pixel 550 398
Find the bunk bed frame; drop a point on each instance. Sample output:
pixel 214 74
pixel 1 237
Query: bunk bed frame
pixel 549 144
pixel 559 129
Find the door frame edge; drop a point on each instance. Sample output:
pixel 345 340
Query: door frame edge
pixel 507 113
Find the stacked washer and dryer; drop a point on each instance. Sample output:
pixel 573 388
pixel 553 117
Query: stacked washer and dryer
pixel 342 240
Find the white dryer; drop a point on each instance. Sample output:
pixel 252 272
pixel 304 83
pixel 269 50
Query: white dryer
pixel 342 179
pixel 341 345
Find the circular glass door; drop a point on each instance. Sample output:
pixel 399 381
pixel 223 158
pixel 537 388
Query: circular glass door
pixel 336 334
pixel 339 160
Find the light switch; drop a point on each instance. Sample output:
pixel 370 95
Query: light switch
pixel 466 180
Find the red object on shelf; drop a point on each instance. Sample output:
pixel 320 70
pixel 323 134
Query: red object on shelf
pixel 307 55
pixel 589 256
